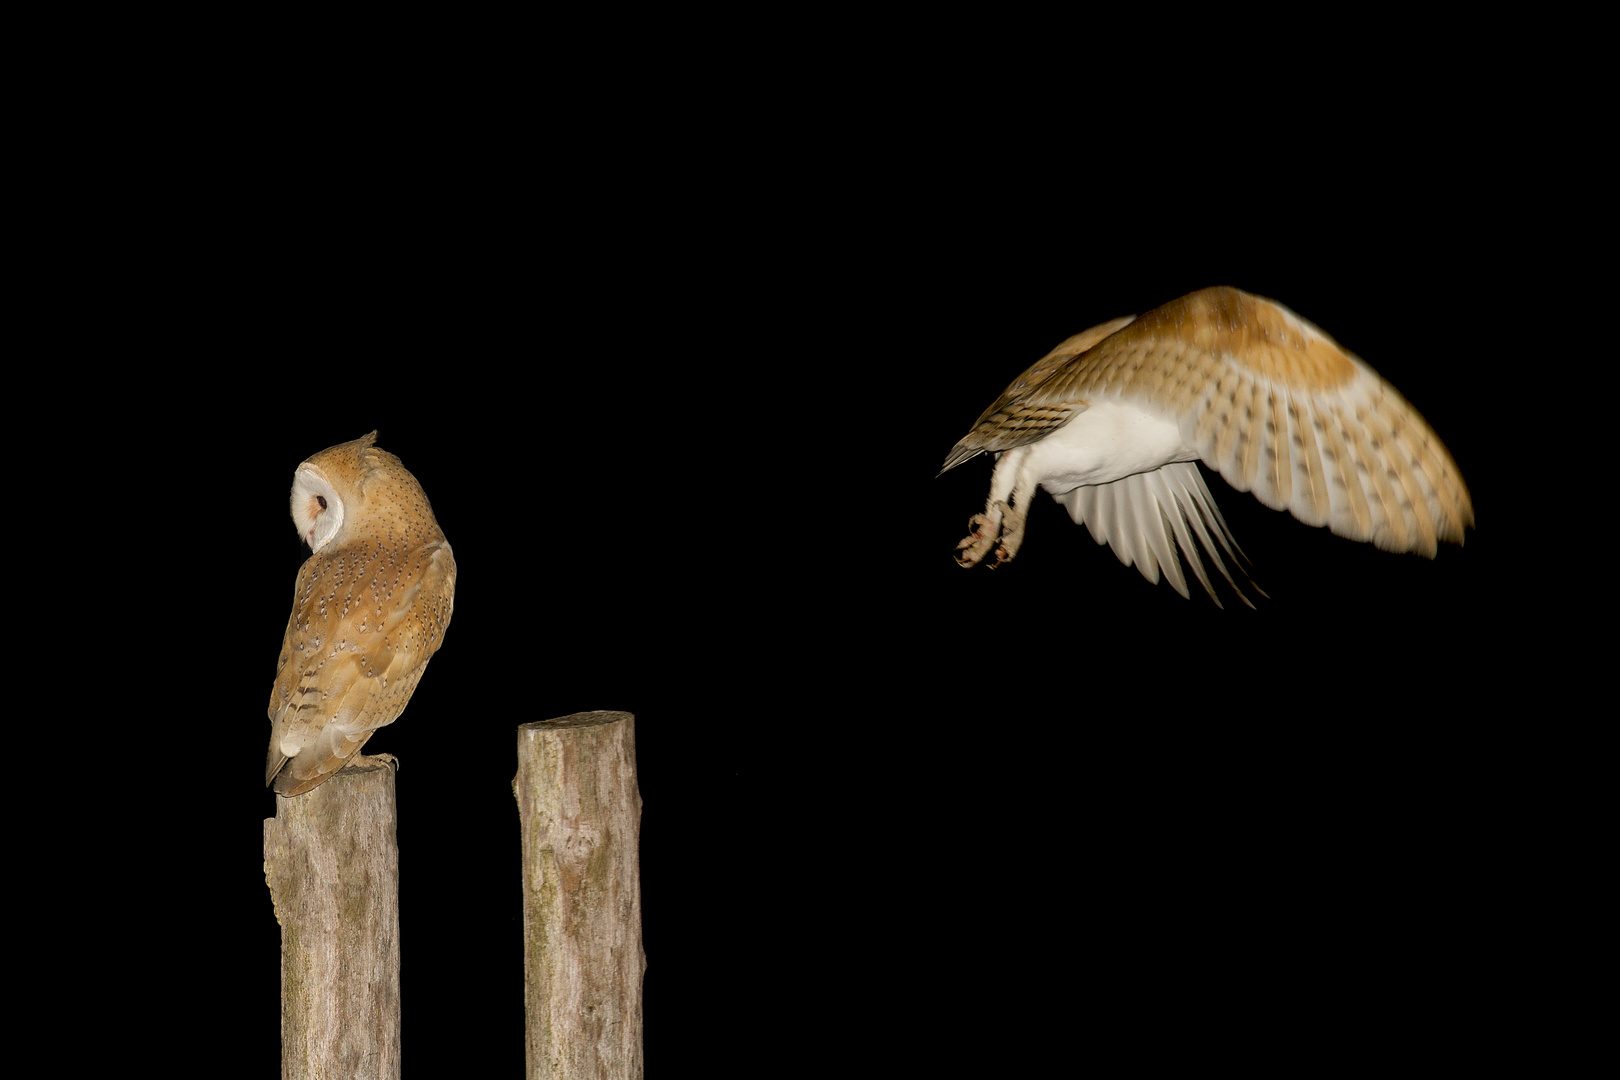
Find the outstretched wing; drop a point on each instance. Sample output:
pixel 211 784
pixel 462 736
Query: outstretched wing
pixel 1267 400
pixel 365 623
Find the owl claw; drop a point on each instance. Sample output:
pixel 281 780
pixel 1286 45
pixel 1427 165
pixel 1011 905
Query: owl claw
pixel 982 532
pixel 1001 529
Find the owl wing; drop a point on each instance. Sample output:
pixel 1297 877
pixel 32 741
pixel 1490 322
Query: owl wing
pixel 363 627
pixel 1267 400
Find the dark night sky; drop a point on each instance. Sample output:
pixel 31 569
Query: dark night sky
pixel 685 444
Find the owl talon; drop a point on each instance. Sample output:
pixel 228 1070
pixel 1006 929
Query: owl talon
pixel 1001 530
pixel 982 531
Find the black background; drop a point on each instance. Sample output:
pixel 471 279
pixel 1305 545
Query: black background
pixel 680 417
pixel 875 783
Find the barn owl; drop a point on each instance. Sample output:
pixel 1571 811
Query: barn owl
pixel 369 611
pixel 1113 421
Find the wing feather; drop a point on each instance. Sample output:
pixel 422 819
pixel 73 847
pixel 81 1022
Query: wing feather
pixel 1146 517
pixel 1311 503
pixel 1275 480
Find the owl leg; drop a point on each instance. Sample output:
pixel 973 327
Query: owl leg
pixel 1004 513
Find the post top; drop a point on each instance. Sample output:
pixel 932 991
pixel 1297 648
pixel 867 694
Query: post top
pixel 595 718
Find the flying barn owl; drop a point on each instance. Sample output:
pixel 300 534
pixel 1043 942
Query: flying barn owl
pixel 369 611
pixel 1113 421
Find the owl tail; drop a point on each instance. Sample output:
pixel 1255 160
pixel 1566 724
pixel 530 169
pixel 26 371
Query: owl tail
pixel 273 764
pixel 313 765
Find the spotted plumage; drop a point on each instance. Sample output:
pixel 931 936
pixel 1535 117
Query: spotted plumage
pixel 1112 421
pixel 370 609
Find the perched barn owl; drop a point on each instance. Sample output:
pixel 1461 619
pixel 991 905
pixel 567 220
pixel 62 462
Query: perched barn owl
pixel 369 611
pixel 1113 421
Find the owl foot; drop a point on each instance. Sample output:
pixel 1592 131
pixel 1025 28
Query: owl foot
pixel 371 761
pixel 983 531
pixel 1002 527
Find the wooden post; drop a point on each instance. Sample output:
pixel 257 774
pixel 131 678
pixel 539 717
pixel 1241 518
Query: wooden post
pixel 582 957
pixel 331 859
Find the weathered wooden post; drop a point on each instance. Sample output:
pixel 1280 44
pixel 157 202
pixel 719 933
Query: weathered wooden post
pixel 331 859
pixel 582 957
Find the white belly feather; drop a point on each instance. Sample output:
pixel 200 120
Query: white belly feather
pixel 1109 441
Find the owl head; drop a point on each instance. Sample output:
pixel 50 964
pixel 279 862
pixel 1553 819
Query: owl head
pixel 338 484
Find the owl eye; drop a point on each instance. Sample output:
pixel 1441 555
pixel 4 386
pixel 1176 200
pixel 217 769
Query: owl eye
pixel 322 500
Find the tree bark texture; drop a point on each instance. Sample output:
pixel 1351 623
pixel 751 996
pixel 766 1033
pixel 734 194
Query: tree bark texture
pixel 331 859
pixel 582 956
